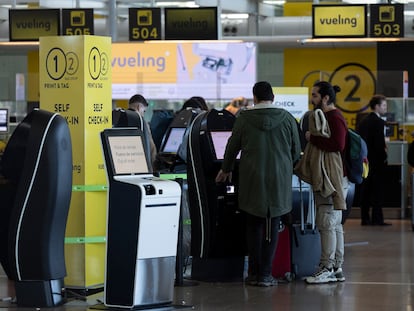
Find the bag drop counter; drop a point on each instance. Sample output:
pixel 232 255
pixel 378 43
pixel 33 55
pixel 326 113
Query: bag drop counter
pixel 142 225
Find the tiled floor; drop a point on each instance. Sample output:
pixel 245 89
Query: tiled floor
pixel 379 272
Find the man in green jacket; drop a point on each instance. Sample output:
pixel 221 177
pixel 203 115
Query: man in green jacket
pixel 269 142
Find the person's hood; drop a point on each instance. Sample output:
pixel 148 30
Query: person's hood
pixel 265 116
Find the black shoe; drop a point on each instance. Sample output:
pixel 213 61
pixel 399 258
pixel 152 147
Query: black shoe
pixel 382 224
pixel 365 223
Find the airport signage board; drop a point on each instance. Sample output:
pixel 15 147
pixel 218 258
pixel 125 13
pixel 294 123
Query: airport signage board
pixel 144 24
pixel 77 22
pixel 191 23
pixel 345 21
pixel 293 99
pixel 175 70
pixel 387 20
pixel 30 24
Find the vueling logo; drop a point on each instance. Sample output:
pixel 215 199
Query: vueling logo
pixel 140 61
pixel 339 20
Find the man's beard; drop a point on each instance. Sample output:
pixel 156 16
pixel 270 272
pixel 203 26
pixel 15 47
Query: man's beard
pixel 318 106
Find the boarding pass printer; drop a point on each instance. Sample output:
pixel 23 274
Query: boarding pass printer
pixel 142 225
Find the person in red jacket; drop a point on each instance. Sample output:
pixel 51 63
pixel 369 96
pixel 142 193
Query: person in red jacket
pixel 328 218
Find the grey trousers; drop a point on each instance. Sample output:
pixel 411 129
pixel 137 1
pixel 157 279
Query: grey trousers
pixel 328 221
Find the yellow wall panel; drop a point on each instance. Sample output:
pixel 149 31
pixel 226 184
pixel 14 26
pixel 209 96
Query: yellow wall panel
pixel 352 69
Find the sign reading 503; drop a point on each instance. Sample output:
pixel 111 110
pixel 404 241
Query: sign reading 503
pixel 387 20
pixel 144 24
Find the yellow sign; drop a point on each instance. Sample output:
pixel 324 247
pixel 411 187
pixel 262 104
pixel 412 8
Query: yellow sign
pixel 354 70
pixel 386 14
pixel 144 18
pixel 339 21
pixel 75 81
pixel 77 22
pixel 29 25
pixel 144 24
pixel 77 18
pixel 191 23
pixel 386 21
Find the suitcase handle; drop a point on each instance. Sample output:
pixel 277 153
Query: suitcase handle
pixel 311 209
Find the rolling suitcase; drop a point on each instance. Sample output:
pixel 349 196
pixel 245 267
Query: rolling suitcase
pixel 282 263
pixel 305 241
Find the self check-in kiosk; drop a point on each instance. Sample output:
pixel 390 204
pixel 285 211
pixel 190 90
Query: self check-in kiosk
pixel 217 225
pixel 142 225
pixel 172 154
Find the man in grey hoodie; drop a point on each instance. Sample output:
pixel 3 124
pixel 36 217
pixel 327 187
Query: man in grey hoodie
pixel 269 142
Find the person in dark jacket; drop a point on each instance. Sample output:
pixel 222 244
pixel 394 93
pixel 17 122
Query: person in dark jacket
pixel 269 142
pixel 371 129
pixel 139 104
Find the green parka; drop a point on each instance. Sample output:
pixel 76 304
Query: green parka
pixel 269 142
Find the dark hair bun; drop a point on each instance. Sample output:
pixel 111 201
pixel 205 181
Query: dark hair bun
pixel 336 88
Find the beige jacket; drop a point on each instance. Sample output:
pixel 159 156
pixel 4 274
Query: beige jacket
pixel 319 168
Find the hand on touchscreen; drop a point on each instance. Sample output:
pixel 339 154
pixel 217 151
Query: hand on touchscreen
pixel 223 177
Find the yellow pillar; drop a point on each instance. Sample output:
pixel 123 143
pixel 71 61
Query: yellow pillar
pixel 75 81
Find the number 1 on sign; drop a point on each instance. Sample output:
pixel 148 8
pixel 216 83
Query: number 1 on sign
pixel 94 63
pixel 56 63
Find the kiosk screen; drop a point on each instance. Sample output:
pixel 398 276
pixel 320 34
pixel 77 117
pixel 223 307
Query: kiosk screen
pixel 4 120
pixel 173 140
pixel 220 139
pixel 128 156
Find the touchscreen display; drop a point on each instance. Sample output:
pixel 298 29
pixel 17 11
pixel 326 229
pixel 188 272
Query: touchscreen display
pixel 4 120
pixel 128 156
pixel 174 140
pixel 220 139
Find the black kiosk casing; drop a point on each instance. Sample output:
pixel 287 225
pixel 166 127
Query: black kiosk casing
pixel 218 243
pixel 142 225
pixel 37 176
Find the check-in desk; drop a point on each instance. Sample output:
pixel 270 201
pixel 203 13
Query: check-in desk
pixel 397 180
pixel 141 241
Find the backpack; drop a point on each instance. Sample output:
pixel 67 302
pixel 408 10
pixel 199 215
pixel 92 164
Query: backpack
pixel 356 157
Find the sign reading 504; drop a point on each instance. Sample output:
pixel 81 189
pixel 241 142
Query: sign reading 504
pixel 144 24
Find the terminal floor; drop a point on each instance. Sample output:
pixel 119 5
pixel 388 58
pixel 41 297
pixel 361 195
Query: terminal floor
pixel 379 272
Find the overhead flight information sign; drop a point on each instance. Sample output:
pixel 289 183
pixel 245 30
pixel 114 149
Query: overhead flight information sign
pixel 29 25
pixel 339 21
pixel 144 24
pixel 387 20
pixel 77 22
pixel 191 23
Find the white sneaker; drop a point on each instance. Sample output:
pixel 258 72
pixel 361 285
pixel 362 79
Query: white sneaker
pixel 324 275
pixel 339 274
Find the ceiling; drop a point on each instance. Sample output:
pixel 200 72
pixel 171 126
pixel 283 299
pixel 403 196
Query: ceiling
pixel 249 7
pixel 268 12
